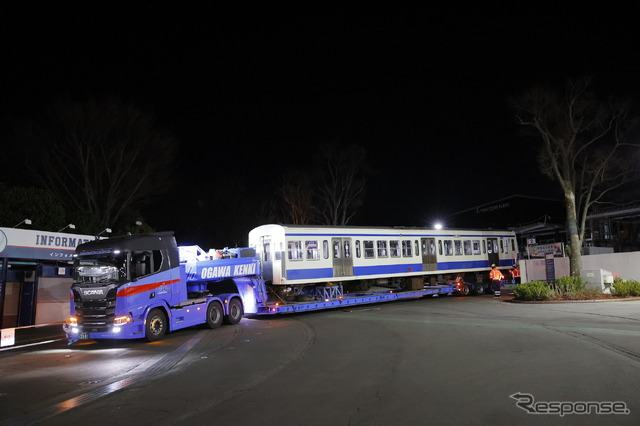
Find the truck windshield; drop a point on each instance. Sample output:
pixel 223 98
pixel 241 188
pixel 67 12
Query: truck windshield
pixel 103 270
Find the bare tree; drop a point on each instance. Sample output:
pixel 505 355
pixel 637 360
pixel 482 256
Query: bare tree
pixel 99 158
pixel 296 193
pixel 343 172
pixel 584 149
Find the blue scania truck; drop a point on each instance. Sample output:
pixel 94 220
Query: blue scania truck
pixel 144 286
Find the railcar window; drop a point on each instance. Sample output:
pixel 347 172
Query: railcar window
pixel 432 248
pixel 417 249
pixel 267 250
pixel 347 248
pixel 484 247
pixel 448 248
pixel 325 249
pixel 502 247
pixel 406 248
pixel 358 253
pixel 336 250
pixel 382 248
pixel 312 250
pixel 513 245
pixel 440 247
pixel 295 250
pixel 394 248
pixel 458 247
pixel 476 246
pixel 369 250
pixel 467 247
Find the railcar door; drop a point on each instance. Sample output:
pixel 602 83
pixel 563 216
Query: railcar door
pixel 492 251
pixel 429 260
pixel 266 256
pixel 342 259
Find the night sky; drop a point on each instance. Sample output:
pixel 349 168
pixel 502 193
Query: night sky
pixel 250 92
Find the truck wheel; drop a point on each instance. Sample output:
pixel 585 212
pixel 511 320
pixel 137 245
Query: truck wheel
pixel 214 315
pixel 156 325
pixel 465 290
pixel 235 312
pixel 479 289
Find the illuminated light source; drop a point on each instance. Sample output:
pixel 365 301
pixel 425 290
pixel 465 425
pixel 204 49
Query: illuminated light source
pixel 125 319
pixel 116 329
pixel 73 321
pixel 438 225
pixel 26 222
pixel 74 330
pixel 107 230
pixel 70 226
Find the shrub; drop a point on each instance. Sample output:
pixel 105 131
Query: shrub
pixel 625 288
pixel 565 285
pixel 534 290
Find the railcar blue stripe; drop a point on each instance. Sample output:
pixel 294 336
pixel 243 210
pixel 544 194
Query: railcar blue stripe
pixel 305 274
pixel 467 264
pixel 387 269
pixel 443 267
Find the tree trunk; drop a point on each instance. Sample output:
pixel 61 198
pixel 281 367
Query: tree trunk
pixel 575 245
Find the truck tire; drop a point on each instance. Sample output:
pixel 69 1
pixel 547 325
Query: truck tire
pixel 155 325
pixel 465 290
pixel 235 312
pixel 479 289
pixel 215 315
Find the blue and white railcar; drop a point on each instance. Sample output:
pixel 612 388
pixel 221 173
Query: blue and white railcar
pixel 295 255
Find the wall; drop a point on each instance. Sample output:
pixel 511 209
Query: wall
pixel 53 300
pixel 624 265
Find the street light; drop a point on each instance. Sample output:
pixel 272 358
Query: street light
pixel 70 226
pixel 26 222
pixel 107 230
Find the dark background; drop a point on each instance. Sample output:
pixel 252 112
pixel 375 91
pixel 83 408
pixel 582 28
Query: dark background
pixel 253 91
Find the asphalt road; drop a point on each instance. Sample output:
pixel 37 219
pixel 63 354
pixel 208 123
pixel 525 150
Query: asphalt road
pixel 447 360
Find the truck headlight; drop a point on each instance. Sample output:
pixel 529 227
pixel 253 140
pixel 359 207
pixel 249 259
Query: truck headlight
pixel 125 319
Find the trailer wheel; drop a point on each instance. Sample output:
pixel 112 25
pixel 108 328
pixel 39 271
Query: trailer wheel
pixel 465 290
pixel 235 312
pixel 479 289
pixel 156 325
pixel 214 315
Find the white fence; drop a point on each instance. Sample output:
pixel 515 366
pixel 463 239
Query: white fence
pixel 623 265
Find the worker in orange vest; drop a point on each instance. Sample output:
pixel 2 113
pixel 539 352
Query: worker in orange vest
pixel 496 278
pixel 515 274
